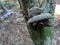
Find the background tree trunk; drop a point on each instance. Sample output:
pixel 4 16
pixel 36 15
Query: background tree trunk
pixel 40 35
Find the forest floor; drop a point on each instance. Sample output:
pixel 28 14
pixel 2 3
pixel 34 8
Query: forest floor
pixel 13 30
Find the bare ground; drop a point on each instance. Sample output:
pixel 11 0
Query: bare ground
pixel 13 31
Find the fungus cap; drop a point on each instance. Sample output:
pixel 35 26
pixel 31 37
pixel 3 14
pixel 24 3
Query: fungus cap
pixel 40 17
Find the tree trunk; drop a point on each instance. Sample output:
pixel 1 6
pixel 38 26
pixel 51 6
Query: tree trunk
pixel 40 35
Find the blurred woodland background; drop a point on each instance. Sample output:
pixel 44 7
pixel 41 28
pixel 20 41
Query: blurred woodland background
pixel 13 30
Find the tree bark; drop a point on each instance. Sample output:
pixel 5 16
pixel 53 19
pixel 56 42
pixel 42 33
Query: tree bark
pixel 40 35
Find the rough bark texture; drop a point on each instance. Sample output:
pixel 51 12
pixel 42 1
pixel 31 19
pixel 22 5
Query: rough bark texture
pixel 40 35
